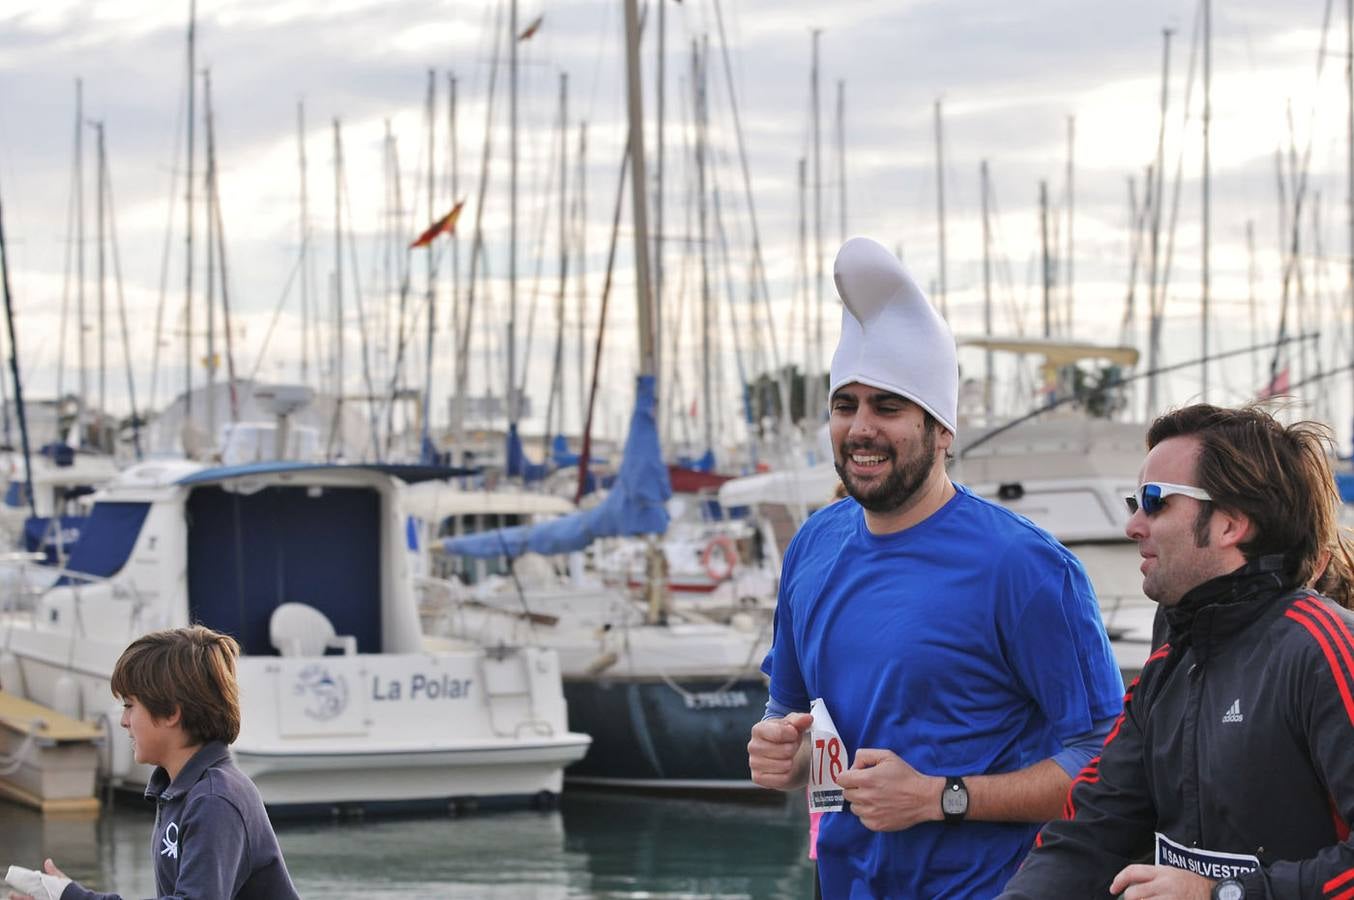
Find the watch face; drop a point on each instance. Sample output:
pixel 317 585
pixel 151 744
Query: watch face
pixel 1229 890
pixel 954 801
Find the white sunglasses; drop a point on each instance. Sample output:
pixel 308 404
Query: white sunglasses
pixel 1151 496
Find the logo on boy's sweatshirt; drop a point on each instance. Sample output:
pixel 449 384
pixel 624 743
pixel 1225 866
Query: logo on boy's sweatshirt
pixel 171 841
pixel 327 693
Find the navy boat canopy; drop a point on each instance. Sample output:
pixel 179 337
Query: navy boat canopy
pixel 410 474
pixel 635 505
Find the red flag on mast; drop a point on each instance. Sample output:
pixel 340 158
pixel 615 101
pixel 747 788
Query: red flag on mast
pixel 531 29
pixel 446 224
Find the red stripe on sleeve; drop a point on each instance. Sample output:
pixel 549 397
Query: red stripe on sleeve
pixel 1346 895
pixel 1337 881
pixel 1336 671
pixel 1334 626
pixel 1341 826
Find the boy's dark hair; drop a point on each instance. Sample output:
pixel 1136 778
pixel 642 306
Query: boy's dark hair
pixel 191 669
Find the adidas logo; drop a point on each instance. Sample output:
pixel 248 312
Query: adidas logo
pixel 1233 713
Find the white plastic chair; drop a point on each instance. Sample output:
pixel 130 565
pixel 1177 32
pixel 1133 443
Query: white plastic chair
pixel 298 629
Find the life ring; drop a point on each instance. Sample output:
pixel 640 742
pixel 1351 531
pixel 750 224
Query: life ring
pixel 727 552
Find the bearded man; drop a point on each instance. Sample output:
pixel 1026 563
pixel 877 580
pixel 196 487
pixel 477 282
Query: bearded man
pixel 957 648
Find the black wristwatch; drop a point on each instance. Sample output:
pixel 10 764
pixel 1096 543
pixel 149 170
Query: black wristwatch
pixel 954 800
pixel 1229 889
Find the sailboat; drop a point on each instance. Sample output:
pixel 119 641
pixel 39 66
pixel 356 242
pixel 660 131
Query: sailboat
pixel 667 696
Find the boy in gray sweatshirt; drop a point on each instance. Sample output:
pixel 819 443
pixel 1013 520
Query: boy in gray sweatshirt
pixel 212 837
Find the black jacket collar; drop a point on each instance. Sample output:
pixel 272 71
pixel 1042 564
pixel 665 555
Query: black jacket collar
pixel 1222 606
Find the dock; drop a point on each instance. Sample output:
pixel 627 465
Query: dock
pixel 48 761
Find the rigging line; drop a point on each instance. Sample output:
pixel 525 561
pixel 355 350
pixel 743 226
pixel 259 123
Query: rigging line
pixel 1137 376
pixel 477 244
pixel 277 311
pixel 759 262
pixel 540 261
pixel 66 290
pixel 122 305
pixel 585 452
pixel 1299 192
pixel 1164 281
pixel 165 250
pixel 374 425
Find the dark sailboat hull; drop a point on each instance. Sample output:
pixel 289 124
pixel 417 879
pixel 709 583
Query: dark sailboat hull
pixel 681 734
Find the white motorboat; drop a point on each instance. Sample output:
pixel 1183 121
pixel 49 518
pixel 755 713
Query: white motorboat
pixel 344 699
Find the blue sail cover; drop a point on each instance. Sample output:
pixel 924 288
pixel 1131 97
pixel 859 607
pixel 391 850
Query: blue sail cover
pixel 518 465
pixel 635 505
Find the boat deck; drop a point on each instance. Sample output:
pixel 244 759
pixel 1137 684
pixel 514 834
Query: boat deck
pixel 47 760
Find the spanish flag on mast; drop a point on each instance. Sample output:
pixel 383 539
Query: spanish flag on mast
pixel 446 224
pixel 531 29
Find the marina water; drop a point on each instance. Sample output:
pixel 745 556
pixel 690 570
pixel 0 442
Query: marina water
pixel 596 844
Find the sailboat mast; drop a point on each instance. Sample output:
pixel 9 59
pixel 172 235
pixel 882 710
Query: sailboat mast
pixel 425 437
pixel 14 367
pixel 1250 283
pixel 305 244
pixel 1046 268
pixel 659 236
pixel 941 300
pixel 1154 199
pixel 987 294
pixel 103 321
pixel 454 176
pixel 188 206
pixel 209 181
pixel 582 225
pixel 1069 291
pixel 638 192
pixel 338 272
pixel 557 376
pixel 1349 85
pixel 1208 115
pixel 702 135
pixel 80 256
pixel 841 156
pixel 817 403
pixel 512 214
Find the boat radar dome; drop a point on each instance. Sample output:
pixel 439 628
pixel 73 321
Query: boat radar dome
pixel 892 338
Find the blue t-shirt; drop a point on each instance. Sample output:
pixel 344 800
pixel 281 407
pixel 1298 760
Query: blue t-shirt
pixel 968 644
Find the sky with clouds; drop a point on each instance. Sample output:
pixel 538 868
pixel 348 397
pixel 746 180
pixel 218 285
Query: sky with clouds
pixel 1009 78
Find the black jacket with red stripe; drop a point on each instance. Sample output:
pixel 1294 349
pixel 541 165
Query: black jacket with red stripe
pixel 1238 737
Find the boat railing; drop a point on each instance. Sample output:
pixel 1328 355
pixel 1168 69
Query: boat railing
pixel 29 589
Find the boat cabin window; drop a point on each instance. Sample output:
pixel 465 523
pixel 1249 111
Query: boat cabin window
pixel 106 539
pixel 250 553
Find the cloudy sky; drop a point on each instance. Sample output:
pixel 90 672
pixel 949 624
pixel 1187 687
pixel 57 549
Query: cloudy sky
pixel 1011 78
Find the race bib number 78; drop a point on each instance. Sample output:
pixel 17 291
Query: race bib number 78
pixel 827 760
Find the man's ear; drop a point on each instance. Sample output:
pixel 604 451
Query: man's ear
pixel 1231 529
pixel 175 718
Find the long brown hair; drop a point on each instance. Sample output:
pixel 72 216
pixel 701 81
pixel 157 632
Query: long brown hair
pixel 189 669
pixel 1277 476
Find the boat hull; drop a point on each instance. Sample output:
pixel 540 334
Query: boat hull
pixel 684 733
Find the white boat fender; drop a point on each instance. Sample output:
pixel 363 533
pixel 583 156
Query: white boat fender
pixel 66 697
pixel 11 675
pixel 602 663
pixel 119 747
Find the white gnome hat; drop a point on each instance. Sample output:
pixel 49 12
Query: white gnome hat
pixel 892 338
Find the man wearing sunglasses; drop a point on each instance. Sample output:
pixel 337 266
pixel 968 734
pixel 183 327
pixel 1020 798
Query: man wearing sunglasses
pixel 958 649
pixel 1230 773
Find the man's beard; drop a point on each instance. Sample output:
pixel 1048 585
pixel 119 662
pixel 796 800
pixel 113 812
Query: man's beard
pixel 901 483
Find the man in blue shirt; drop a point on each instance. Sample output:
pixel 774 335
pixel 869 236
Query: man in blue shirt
pixel 957 647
